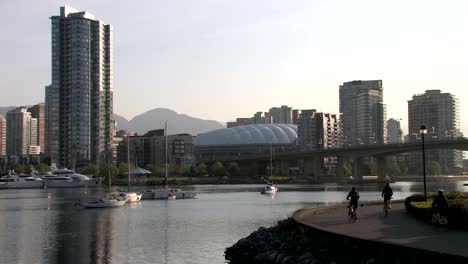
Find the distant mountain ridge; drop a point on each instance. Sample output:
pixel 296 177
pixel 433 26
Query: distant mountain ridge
pixel 177 123
pixel 5 109
pixel 155 118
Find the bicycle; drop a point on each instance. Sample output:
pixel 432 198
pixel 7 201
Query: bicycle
pixel 386 207
pixel 352 215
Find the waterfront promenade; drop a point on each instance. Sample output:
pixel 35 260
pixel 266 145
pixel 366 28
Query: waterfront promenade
pixel 398 228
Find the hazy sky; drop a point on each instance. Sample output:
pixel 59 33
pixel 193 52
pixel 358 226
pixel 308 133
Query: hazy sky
pixel 222 59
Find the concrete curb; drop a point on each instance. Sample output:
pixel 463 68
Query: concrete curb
pixel 306 212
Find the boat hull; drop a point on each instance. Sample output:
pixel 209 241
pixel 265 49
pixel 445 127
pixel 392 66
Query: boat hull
pixel 22 185
pixel 104 204
pixel 73 184
pixel 164 194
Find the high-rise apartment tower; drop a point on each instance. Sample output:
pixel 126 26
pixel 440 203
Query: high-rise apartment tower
pixel 362 113
pixel 2 136
pixel 441 114
pixel 19 131
pixel 79 100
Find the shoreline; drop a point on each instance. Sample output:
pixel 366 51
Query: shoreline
pixel 294 240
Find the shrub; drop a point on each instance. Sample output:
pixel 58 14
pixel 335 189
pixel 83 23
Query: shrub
pixel 457 214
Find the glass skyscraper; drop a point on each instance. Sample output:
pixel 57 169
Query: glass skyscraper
pixel 79 100
pixel 362 113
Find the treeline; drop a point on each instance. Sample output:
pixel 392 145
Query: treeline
pixel 214 169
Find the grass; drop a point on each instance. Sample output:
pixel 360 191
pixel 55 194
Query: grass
pixel 457 213
pixel 422 205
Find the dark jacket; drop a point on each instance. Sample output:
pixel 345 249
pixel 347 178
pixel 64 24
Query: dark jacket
pixel 387 192
pixel 354 196
pixel 440 202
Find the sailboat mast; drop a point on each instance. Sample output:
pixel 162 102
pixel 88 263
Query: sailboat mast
pixel 165 138
pixel 271 161
pixel 128 160
pixel 108 172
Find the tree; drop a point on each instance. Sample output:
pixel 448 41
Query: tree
pixel 124 167
pixel 392 168
pixel 159 171
pixel 19 168
pixel 218 169
pixel 433 168
pixel 92 169
pixel 149 167
pixel 42 167
pixel 201 169
pixel 183 169
pixel 233 168
pixel 107 170
pixel 28 169
pixel 348 169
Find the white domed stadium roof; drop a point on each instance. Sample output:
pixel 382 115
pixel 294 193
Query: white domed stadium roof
pixel 249 134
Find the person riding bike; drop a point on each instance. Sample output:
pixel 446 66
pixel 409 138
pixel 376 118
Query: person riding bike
pixel 353 196
pixel 387 194
pixel 440 206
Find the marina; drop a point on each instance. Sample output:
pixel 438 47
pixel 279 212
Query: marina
pixel 40 224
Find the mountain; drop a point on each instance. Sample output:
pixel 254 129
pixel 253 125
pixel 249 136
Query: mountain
pixel 177 123
pixel 4 110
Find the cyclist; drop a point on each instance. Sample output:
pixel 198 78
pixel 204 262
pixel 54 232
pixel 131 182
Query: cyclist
pixel 353 196
pixel 440 205
pixel 387 193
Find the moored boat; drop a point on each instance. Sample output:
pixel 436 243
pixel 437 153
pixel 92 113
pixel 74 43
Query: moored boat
pixel 130 197
pixel 20 181
pixel 270 189
pixel 104 203
pixel 163 193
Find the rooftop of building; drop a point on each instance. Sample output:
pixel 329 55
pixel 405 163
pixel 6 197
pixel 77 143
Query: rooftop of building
pixel 249 134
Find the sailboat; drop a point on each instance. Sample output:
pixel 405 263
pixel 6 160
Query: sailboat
pixel 270 188
pixel 167 193
pixel 107 202
pixel 130 197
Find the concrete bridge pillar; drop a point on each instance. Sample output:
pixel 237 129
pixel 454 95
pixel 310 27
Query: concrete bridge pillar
pixel 339 169
pixel 358 165
pixel 380 168
pixel 284 165
pixel 313 167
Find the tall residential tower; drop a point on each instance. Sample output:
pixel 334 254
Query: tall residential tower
pixel 441 114
pixel 362 113
pixel 79 100
pixel 2 136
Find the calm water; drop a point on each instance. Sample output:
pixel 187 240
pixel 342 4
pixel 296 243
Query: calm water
pixel 43 226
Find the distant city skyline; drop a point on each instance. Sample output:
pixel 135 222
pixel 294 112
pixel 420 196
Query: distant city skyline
pixel 226 59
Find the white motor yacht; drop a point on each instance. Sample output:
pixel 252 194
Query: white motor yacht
pixel 16 181
pixel 83 180
pixel 64 178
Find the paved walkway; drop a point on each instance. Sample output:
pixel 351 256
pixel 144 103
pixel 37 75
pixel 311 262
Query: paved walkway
pixel 396 228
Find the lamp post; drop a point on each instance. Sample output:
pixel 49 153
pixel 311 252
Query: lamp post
pixel 423 132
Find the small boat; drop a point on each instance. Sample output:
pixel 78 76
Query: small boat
pixel 130 197
pixel 269 189
pixel 171 197
pixel 167 193
pixel 104 203
pixel 164 193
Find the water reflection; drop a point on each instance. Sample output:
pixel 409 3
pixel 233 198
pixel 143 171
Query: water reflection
pixel 44 226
